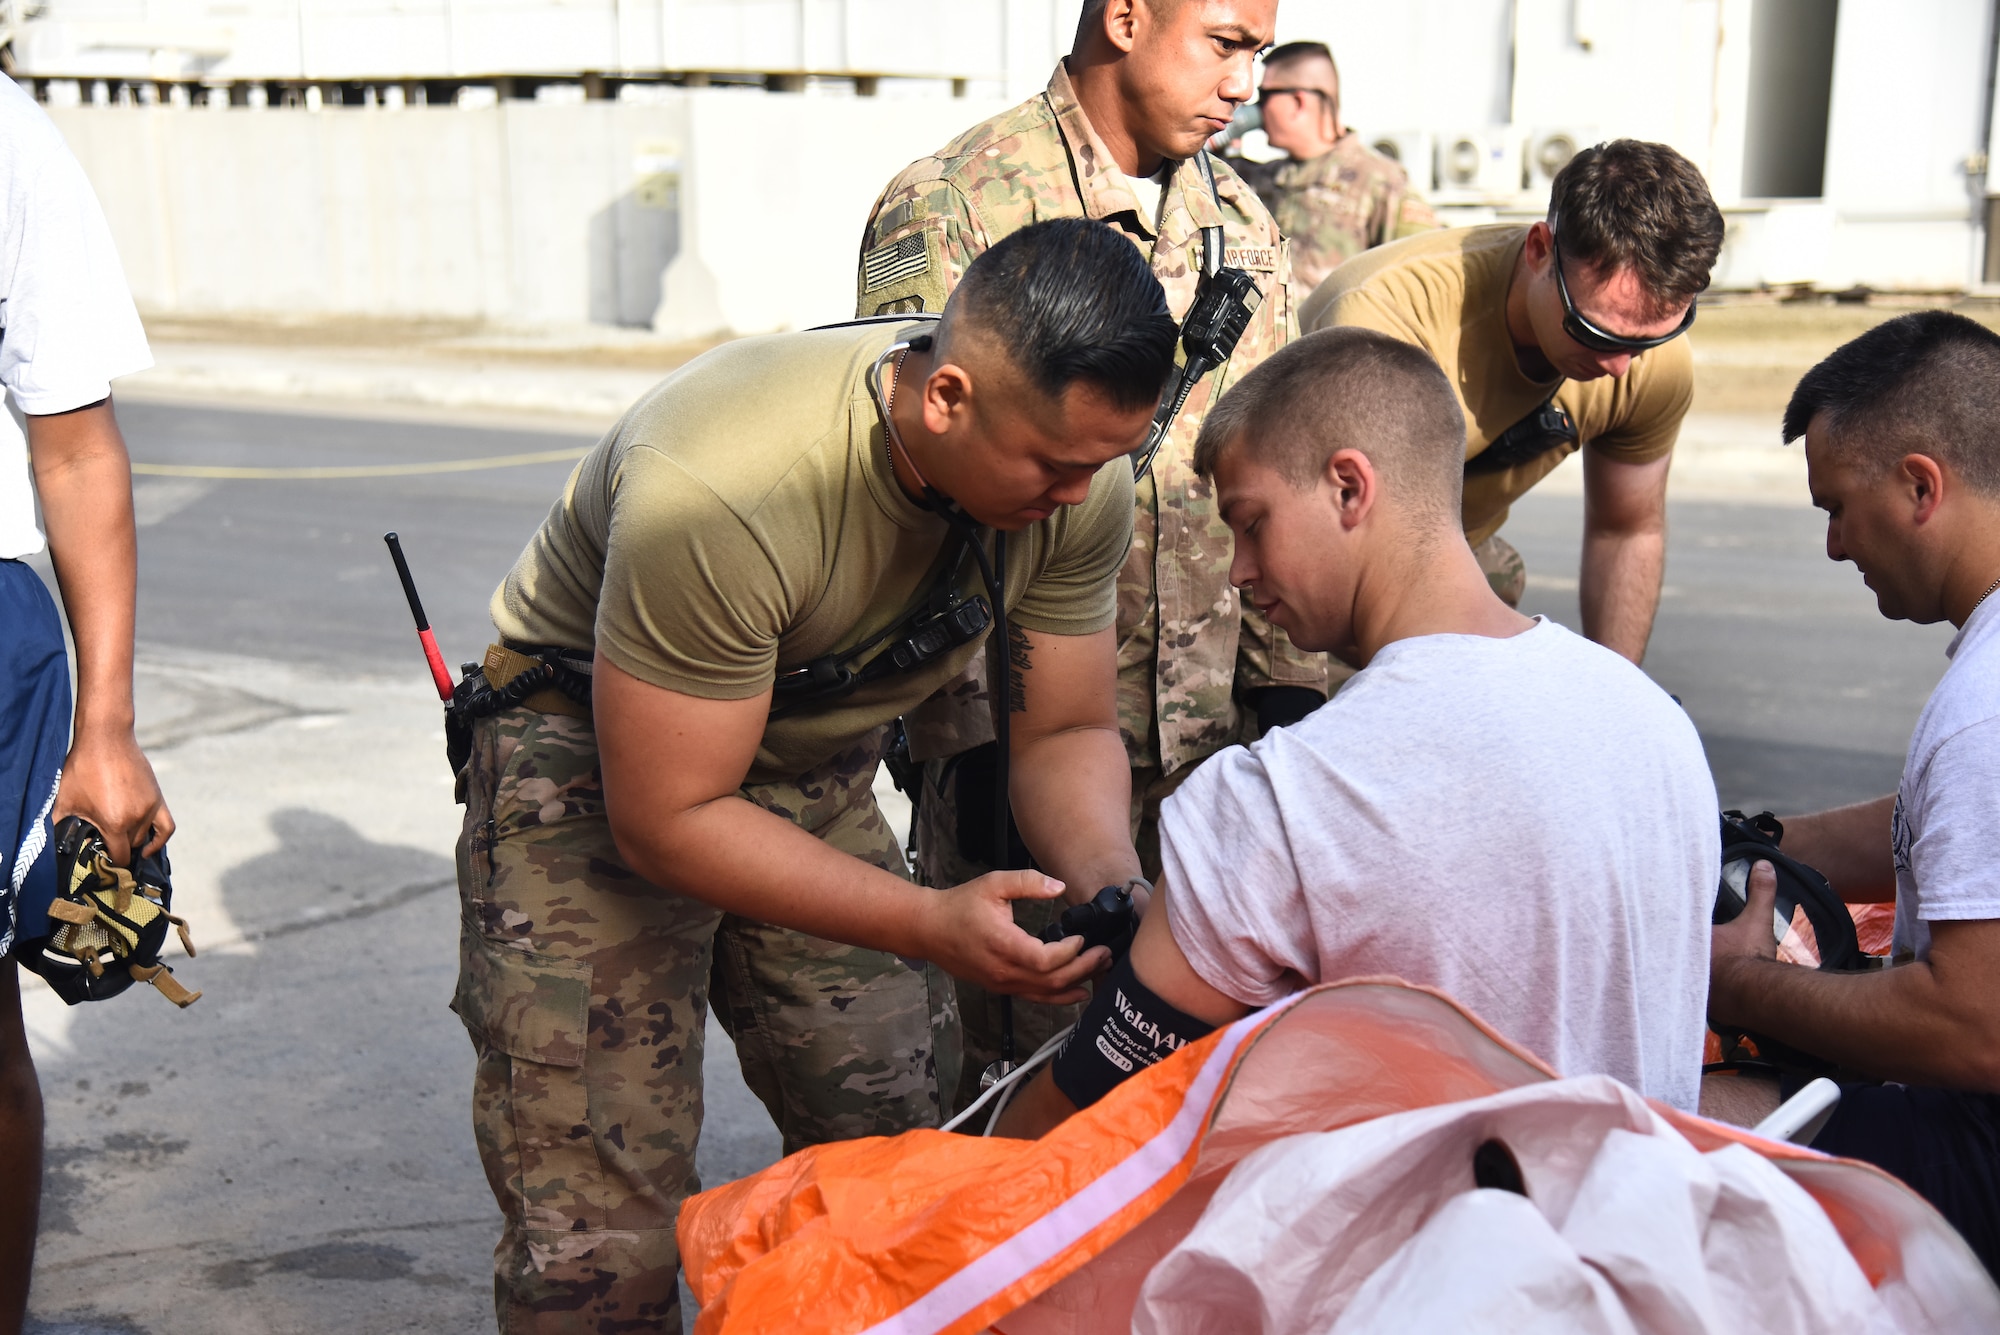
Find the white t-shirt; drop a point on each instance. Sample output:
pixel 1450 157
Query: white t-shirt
pixel 1151 191
pixel 1947 830
pixel 1527 824
pixel 67 325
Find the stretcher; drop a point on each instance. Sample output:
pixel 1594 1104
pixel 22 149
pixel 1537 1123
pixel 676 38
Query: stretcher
pixel 1097 1226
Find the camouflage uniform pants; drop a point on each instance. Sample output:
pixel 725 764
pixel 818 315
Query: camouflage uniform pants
pixel 585 990
pixel 941 862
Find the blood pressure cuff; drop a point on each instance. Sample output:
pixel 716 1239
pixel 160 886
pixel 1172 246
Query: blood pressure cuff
pixel 1124 1029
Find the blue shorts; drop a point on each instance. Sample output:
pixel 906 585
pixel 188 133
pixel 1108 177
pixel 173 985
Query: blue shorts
pixel 1943 1143
pixel 34 737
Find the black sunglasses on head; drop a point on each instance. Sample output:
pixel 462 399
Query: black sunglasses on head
pixel 1588 334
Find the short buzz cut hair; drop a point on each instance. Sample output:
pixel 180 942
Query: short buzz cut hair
pixel 1631 204
pixel 1289 51
pixel 1924 383
pixel 1285 51
pixel 1072 300
pixel 1339 389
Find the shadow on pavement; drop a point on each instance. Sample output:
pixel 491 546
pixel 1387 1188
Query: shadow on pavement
pixel 292 1153
pixel 325 871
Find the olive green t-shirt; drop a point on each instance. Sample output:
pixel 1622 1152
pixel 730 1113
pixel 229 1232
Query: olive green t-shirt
pixel 742 519
pixel 1447 293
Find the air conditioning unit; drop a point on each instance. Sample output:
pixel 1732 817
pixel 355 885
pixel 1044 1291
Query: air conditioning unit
pixel 1549 148
pixel 1478 165
pixel 1415 150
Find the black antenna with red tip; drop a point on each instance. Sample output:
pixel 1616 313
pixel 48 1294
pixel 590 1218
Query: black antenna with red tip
pixel 438 672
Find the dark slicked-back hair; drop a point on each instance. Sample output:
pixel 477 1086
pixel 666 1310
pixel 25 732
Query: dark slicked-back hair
pixel 1072 300
pixel 1926 383
pixel 1339 389
pixel 1643 206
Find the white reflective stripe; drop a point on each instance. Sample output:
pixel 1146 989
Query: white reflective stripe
pixel 30 853
pixel 1046 1238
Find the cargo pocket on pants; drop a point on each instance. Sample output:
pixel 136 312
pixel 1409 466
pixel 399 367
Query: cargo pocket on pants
pixel 534 1011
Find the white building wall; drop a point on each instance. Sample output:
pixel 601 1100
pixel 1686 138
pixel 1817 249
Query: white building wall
pixel 712 210
pixel 1429 64
pixel 1909 100
pixel 1906 111
pixel 978 40
pixel 532 212
pixel 779 193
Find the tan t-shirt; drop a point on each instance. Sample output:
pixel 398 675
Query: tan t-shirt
pixel 742 519
pixel 1447 293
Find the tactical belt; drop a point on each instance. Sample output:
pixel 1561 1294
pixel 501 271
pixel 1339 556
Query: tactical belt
pixel 548 681
pixel 557 681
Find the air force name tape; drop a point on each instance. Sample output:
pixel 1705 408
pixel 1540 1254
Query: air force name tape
pixel 894 261
pixel 1259 259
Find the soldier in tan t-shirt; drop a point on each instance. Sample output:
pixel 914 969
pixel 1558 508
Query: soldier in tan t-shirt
pixel 704 649
pixel 1584 311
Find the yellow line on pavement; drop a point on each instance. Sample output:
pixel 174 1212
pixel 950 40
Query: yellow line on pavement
pixel 231 472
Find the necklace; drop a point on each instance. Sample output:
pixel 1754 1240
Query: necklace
pixel 1984 596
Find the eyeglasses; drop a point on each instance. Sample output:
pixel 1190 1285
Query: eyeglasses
pixel 1264 95
pixel 1588 334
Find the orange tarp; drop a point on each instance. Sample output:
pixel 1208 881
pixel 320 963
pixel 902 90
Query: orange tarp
pixel 935 1232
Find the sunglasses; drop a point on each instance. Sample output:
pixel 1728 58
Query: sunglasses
pixel 1264 95
pixel 1588 334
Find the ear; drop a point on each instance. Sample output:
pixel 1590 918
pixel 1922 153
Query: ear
pixel 947 398
pixel 1923 479
pixel 1351 483
pixel 1121 23
pixel 1538 245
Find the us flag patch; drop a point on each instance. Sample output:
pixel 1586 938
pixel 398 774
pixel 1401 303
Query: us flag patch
pixel 893 262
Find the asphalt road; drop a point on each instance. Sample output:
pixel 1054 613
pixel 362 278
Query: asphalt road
pixel 1803 693
pixel 296 570
pixel 293 1153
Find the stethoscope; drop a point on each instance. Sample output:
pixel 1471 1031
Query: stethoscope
pixel 992 573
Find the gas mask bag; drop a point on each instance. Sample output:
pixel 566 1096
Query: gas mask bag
pixel 107 923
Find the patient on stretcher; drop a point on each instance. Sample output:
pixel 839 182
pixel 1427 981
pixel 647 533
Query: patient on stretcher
pixel 1493 806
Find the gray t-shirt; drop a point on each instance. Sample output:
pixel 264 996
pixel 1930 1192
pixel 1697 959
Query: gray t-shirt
pixel 1527 824
pixel 1947 830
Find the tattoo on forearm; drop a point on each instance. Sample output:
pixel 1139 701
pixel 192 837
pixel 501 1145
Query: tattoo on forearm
pixel 1017 669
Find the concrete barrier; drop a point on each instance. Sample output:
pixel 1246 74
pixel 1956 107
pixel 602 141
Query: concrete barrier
pixel 705 211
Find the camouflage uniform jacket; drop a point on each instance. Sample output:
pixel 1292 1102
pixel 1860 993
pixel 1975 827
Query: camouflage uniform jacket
pixel 1184 638
pixel 1332 207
